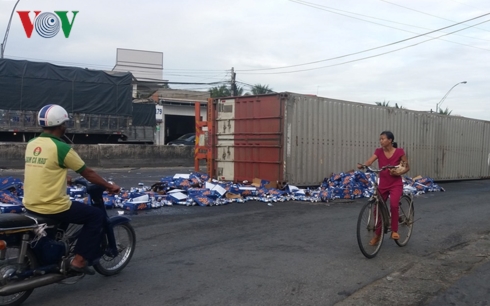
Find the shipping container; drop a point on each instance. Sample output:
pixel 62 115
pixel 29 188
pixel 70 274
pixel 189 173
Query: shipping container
pixel 302 139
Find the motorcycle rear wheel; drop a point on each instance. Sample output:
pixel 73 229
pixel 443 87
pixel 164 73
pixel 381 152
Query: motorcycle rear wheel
pixel 11 260
pixel 126 243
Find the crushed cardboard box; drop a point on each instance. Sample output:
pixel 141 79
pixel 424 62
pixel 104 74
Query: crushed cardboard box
pixel 257 182
pixel 230 195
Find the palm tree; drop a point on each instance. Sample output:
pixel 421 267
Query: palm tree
pixel 445 112
pixel 387 104
pixel 221 91
pixel 259 89
pixel 239 91
pixel 384 103
pixel 224 91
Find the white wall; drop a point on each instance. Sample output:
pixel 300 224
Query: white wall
pixel 180 110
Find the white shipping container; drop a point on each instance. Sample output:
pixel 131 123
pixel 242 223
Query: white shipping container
pixel 303 139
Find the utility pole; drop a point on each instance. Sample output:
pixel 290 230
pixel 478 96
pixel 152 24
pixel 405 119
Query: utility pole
pixel 4 42
pixel 234 90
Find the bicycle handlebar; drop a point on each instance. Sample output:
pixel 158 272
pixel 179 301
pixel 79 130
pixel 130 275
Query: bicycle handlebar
pixel 93 190
pixel 377 170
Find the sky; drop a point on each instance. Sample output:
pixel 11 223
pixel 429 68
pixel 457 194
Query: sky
pixel 415 53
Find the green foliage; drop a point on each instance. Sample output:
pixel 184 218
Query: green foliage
pixel 259 89
pixel 387 104
pixel 219 91
pixel 384 103
pixel 240 91
pixel 225 91
pixel 445 111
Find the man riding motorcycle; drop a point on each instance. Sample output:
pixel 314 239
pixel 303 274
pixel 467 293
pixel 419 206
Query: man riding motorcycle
pixel 47 160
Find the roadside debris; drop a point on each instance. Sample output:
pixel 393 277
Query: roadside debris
pixel 198 189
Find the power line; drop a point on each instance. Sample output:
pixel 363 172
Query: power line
pixel 363 58
pixel 110 67
pixel 200 70
pixel 329 9
pixel 206 71
pixel 379 47
pixel 467 4
pixel 190 87
pixel 411 9
pixel 250 85
pixel 191 83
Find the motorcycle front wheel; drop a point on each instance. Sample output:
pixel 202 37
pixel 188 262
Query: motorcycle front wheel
pixel 10 262
pixel 126 242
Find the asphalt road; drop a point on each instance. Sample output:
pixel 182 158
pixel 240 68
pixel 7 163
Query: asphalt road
pixel 293 253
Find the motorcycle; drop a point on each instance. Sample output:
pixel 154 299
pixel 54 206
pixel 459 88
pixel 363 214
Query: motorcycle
pixel 36 251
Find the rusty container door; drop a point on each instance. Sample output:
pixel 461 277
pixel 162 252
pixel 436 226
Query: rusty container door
pixel 249 138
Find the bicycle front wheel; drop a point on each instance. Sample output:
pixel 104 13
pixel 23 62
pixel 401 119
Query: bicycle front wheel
pixel 370 219
pixel 126 243
pixel 405 220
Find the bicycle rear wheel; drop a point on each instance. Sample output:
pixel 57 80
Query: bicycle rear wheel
pixel 369 219
pixel 405 220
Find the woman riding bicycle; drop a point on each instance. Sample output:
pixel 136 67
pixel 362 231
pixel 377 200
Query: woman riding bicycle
pixel 390 180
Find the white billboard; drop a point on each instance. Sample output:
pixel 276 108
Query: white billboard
pixel 144 65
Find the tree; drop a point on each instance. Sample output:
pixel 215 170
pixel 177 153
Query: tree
pixel 384 103
pixel 224 91
pixel 387 104
pixel 445 112
pixel 259 89
pixel 221 91
pixel 240 91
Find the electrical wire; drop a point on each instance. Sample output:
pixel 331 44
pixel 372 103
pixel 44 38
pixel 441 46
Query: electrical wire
pixel 468 5
pixel 371 49
pixel 110 68
pixel 329 9
pixel 411 9
pixel 253 86
pixel 191 83
pixel 363 58
pixel 241 82
pixel 195 73
pixel 61 62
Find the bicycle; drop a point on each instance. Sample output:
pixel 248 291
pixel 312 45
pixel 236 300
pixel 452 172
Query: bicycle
pixel 376 214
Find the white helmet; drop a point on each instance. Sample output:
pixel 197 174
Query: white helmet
pixel 52 115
